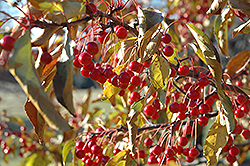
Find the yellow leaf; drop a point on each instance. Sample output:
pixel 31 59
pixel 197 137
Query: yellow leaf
pixel 198 51
pixel 109 90
pixel 242 29
pixel 216 139
pixel 216 7
pixel 117 158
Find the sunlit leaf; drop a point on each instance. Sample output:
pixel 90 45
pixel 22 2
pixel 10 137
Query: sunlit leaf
pixel 216 139
pixel 198 51
pixel 159 72
pixel 121 163
pixel 117 158
pixel 17 120
pixel 241 5
pixel 216 7
pixel 33 159
pixel 238 63
pixel 242 29
pixel 21 66
pixel 209 51
pixel 63 80
pixel 67 148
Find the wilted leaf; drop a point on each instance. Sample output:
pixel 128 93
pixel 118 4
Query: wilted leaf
pixel 209 51
pixel 241 5
pixel 216 139
pixel 21 66
pixel 216 7
pixel 67 148
pixel 159 71
pixel 198 51
pixel 243 29
pixel 63 80
pixel 125 49
pixel 238 63
pixel 132 127
pixel 35 118
pixel 227 109
pixel 117 158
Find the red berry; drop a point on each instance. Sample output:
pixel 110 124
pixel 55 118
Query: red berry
pixel 234 151
pixel 237 129
pixel 84 72
pixel 187 86
pixel 186 151
pixel 181 115
pixel 239 113
pixel 156 103
pixel 230 158
pixel 204 108
pixel 210 101
pixel 103 36
pixel 148 142
pixel 124 77
pixel 168 51
pixel 183 141
pixel 182 107
pixel 193 152
pixel 80 153
pixel 89 162
pixel 108 73
pixel 183 70
pixel 95 149
pixel 169 152
pixel 189 159
pixel 166 38
pixel 239 83
pixel 105 159
pixel 131 87
pixel 142 154
pixel 187 129
pixel 178 149
pixel 91 8
pixel 121 92
pixel 152 160
pixel 92 48
pixel 84 58
pixel 246 134
pixel 194 112
pixel 157 150
pixel 203 121
pixel 76 63
pixel 121 32
pixel 79 144
pixel 173 72
pixel 203 81
pixel 46 58
pixel 134 66
pixel 135 80
pixel 7 42
pixel 155 115
pixel 147 63
pixel 135 96
pixel 174 107
pixel 95 74
pixel 116 150
pixel 241 99
pixel 194 94
pixel 149 110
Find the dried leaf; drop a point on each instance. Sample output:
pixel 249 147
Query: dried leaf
pixel 238 63
pixel 117 158
pixel 242 29
pixel 21 66
pixel 198 51
pixel 109 90
pixel 36 119
pixel 216 7
pixel 216 139
pixel 241 5
pixel 63 80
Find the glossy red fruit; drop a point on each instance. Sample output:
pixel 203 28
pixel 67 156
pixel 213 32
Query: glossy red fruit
pixel 186 151
pixel 91 8
pixel 173 72
pixel 131 87
pixel 204 108
pixel 121 32
pixel 79 144
pixel 80 153
pixel 246 134
pixel 183 141
pixel 95 74
pixel 155 115
pixel 135 80
pixel 174 107
pixel 95 149
pixel 168 51
pixel 237 129
pixel 169 152
pixel 239 113
pixel 105 159
pixel 183 70
pixel 166 38
pixel 230 158
pixel 92 48
pixel 234 151
pixel 148 142
pixel 147 63
pixel 149 110
pixel 76 63
pixel 239 83
pixel 156 103
pixel 124 77
pixel 194 94
pixel 181 115
pixel 108 73
pixel 187 129
pixel 121 92
pixel 189 159
pixel 103 36
pixel 157 150
pixel 135 96
pixel 245 108
pixel 116 150
pixel 46 58
pixel 142 154
pixel 152 160
pixel 203 81
pixel 193 152
pixel 7 42
pixel 241 99
pixel 178 149
pixel 182 107
pixel 194 112
pixel 84 58
pixel 134 66
pixel 203 121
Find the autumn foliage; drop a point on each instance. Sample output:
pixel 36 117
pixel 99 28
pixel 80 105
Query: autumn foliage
pixel 159 69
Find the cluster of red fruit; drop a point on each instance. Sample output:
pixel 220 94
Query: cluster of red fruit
pixel 90 153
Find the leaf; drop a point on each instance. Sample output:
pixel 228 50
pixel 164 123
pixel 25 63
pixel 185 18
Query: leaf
pixel 132 127
pixel 238 63
pixel 121 163
pixel 21 66
pixel 117 158
pixel 241 5
pixel 216 7
pixel 209 51
pixel 216 139
pixel 221 30
pixel 227 109
pixel 17 120
pixel 198 51
pixel 36 119
pixel 67 148
pixel 63 80
pixel 33 159
pixel 242 29
pixel 159 71
pixel 125 49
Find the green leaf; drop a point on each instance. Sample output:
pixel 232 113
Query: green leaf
pixel 209 51
pixel 33 159
pixel 117 158
pixel 67 148
pixel 216 139
pixel 159 72
pixel 63 80
pixel 21 66
pixel 242 29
